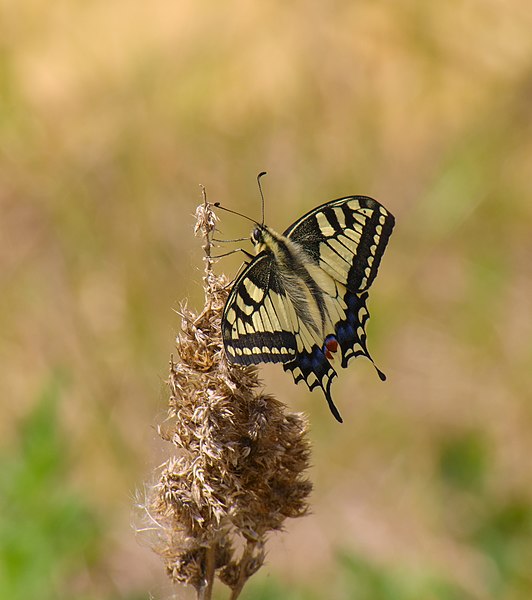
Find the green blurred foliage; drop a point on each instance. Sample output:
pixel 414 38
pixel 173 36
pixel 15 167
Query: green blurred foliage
pixel 357 577
pixel 372 582
pixel 504 535
pixel 464 460
pixel 47 531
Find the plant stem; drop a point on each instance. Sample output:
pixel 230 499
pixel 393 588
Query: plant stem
pixel 207 233
pixel 242 577
pixel 205 591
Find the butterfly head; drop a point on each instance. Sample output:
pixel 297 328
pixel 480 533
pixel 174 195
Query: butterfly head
pixel 257 238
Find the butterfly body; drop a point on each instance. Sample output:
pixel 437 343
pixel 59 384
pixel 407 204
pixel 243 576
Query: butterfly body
pixel 302 289
pixel 303 296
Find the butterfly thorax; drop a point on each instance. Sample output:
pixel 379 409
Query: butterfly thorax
pixel 293 266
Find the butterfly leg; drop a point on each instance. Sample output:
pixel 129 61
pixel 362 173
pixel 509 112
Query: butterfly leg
pixel 243 239
pixel 250 256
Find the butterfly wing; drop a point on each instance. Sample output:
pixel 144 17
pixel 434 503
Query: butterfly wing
pixel 343 242
pixel 260 324
pixel 345 239
pixel 257 320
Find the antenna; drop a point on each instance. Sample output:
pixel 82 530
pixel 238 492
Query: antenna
pixel 218 205
pixel 261 174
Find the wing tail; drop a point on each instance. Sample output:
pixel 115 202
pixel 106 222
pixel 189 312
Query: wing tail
pixel 316 371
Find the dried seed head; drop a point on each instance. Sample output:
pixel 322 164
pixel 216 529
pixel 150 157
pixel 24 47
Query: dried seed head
pixel 241 458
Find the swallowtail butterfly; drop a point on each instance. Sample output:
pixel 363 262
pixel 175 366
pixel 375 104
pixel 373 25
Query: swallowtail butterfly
pixel 303 296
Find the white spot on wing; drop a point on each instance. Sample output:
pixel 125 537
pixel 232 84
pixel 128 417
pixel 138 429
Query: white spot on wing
pixel 311 378
pixel 354 204
pixel 341 250
pixel 257 321
pixel 240 327
pixel 266 319
pixel 353 235
pixel 340 217
pixel 272 314
pixel 254 291
pixel 325 226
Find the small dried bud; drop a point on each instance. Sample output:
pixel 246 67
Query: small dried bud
pixel 205 219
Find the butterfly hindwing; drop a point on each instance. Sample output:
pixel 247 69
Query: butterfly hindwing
pixel 351 332
pixel 313 367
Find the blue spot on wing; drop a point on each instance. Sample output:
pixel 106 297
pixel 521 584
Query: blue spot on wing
pixel 345 333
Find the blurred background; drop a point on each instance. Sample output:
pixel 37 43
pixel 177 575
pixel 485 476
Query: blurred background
pixel 111 115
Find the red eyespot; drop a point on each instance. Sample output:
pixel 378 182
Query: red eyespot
pixel 330 346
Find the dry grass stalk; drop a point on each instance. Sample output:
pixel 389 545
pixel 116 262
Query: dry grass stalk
pixel 240 464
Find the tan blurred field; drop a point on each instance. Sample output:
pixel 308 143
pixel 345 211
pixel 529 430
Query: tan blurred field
pixel 113 113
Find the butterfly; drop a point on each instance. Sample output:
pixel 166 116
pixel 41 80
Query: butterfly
pixel 303 297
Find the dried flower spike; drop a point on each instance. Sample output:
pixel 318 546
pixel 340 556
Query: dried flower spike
pixel 240 464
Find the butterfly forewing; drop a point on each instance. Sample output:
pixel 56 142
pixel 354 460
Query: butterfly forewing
pixel 346 238
pixel 256 324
